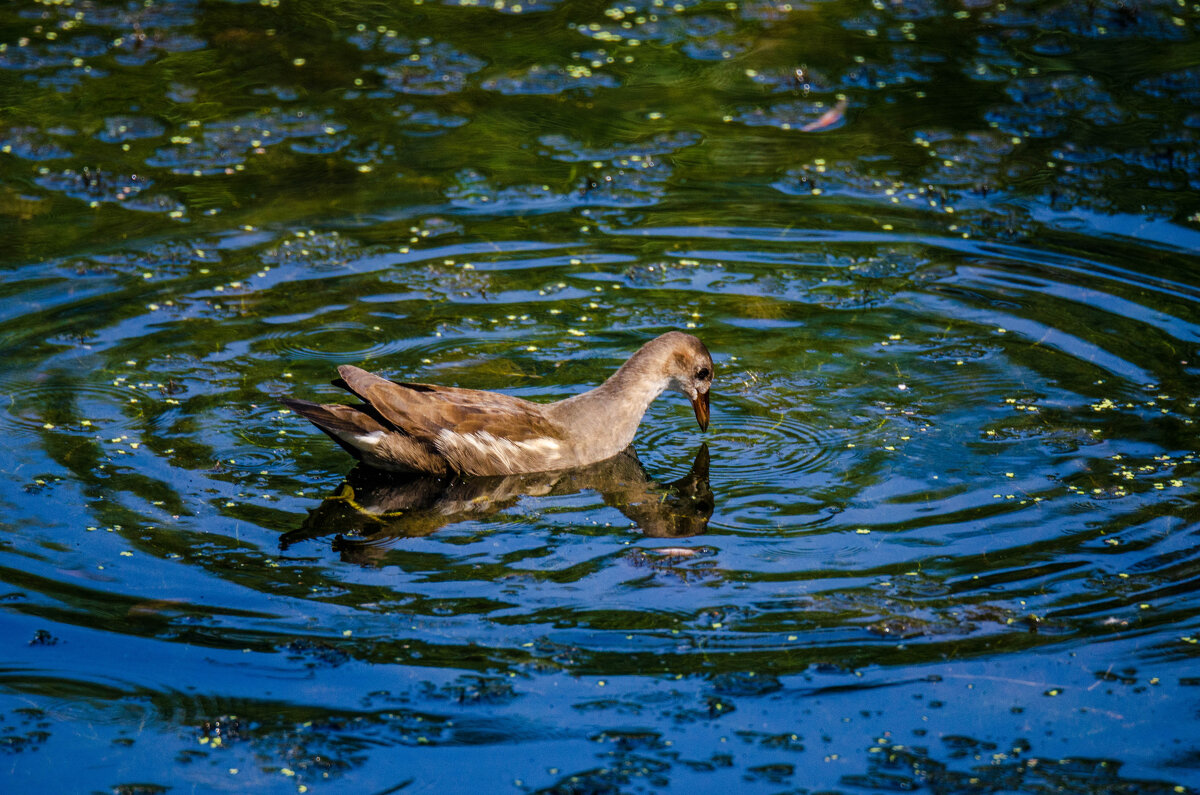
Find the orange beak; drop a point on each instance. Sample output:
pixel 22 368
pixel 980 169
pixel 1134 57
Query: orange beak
pixel 700 405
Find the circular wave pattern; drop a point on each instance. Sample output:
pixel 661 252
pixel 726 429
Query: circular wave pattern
pixel 252 459
pixel 338 342
pixel 759 448
pixel 33 407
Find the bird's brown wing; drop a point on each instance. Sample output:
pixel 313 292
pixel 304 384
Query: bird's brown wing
pixel 426 411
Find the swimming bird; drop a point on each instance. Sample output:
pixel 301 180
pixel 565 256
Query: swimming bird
pixel 442 430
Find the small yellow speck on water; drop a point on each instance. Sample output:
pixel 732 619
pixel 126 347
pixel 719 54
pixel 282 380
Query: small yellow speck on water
pixel 298 62
pixel 287 771
pixel 1053 691
pixel 1009 475
pixel 125 553
pixel 48 426
pixel 862 531
pixel 601 683
pixel 347 633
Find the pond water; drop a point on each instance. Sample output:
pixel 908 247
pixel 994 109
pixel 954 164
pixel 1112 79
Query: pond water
pixel 942 534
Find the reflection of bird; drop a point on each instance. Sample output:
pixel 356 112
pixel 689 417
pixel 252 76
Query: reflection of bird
pixel 370 510
pixel 438 430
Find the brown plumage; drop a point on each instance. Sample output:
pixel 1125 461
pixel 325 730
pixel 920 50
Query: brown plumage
pixel 442 430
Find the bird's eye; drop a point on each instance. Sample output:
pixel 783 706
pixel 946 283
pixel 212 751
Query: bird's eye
pixel 703 374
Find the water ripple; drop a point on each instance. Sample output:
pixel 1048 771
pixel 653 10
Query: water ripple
pixel 64 404
pixel 335 342
pixel 759 447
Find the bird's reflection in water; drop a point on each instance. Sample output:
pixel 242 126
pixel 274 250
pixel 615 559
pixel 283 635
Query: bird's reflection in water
pixel 372 510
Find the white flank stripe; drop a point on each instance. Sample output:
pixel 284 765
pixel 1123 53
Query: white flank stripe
pixel 509 455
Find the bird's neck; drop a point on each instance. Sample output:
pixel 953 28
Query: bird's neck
pixel 607 417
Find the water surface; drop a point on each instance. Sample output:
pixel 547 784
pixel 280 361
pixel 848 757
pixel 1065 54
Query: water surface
pixel 942 533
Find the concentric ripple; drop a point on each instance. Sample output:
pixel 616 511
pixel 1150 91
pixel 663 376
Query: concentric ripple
pixel 340 342
pixel 258 460
pixel 65 404
pixel 758 447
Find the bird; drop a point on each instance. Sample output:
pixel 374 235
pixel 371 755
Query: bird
pixel 426 429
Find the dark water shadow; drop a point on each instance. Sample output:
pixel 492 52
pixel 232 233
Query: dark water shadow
pixel 372 510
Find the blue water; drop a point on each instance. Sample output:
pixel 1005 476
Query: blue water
pixel 941 534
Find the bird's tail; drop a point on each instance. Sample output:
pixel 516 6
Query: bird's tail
pixel 344 424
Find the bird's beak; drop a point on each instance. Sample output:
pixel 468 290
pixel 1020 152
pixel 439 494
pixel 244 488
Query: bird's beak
pixel 700 404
